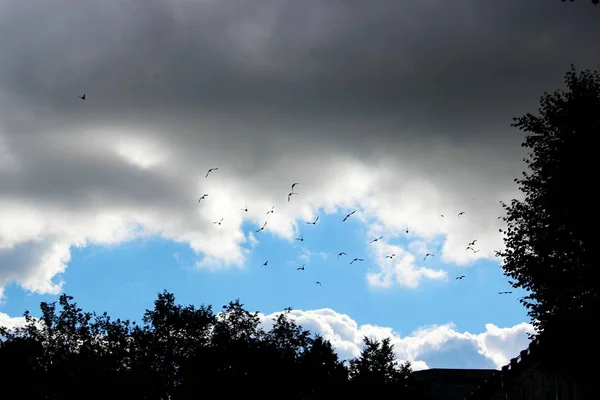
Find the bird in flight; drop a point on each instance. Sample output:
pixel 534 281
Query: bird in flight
pixel 262 228
pixel 202 198
pixel 348 216
pixel 301 238
pixel 391 256
pixel 504 292
pixel 272 210
pixel 469 248
pixel 374 240
pixel 472 243
pixel 461 213
pixel 301 268
pixel 405 230
pixel 218 223
pixel 442 215
pixel 210 170
pixel 427 255
pixel 318 283
pixel 290 195
pixel 341 254
pixel 460 277
pixel 265 263
pixel 82 97
pixel 294 185
pixel 476 251
pixel 356 259
pixel 245 209
pixel 314 222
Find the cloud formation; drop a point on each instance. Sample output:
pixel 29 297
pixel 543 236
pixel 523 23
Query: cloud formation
pixel 367 105
pixel 491 348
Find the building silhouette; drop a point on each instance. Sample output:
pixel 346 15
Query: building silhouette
pixel 449 384
pixel 524 379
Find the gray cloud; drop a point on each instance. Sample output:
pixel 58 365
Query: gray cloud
pixel 273 89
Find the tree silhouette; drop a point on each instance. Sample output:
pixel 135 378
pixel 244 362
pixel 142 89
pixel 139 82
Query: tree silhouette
pixel 181 352
pixel 377 364
pixel 548 240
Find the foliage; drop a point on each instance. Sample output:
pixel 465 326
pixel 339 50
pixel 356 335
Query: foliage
pixel 377 364
pixel 178 352
pixel 548 239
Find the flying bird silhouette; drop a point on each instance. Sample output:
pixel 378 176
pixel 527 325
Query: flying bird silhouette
pixel 245 209
pixel 504 292
pixel 427 255
pixel 469 248
pixel 374 240
pixel 348 216
pixel 82 97
pixel 442 215
pixel 272 210
pixel 314 222
pixel 318 283
pixel 301 238
pixel 301 268
pixel 460 277
pixel 262 227
pixel 202 198
pixel 472 243
pixel 405 230
pixel 210 170
pixel 461 213
pixel 218 223
pixel 290 195
pixel 265 263
pixel 391 255
pixel 294 185
pixel 476 251
pixel 356 259
pixel 341 254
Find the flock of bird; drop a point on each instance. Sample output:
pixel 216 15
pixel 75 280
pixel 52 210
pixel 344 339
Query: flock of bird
pixel 470 246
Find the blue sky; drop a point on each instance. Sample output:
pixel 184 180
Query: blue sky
pixel 125 279
pixel 369 110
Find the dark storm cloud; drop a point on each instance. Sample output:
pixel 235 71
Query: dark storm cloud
pixel 271 90
pixel 456 68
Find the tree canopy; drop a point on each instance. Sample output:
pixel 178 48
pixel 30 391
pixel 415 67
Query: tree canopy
pixel 183 352
pixel 548 238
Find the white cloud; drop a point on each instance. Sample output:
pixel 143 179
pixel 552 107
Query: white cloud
pixel 401 269
pixel 11 322
pixel 305 254
pixel 131 159
pixel 496 344
pixel 51 229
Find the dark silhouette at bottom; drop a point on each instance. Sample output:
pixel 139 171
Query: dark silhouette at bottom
pixel 184 352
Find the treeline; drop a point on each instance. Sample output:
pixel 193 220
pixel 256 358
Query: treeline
pixel 184 352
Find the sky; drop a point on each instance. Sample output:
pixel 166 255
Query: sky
pixel 399 111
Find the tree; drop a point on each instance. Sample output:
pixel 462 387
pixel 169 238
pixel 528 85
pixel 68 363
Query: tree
pixel 377 364
pixel 548 238
pixel 179 352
